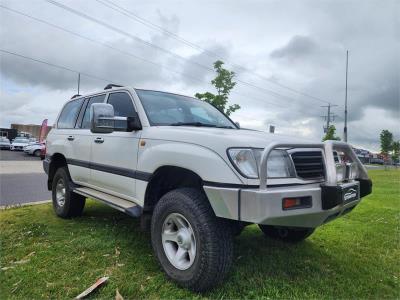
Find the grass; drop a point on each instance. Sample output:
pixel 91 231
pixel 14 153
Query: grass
pixel 356 256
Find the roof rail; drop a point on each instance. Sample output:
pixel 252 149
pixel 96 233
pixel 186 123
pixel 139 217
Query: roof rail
pixel 111 85
pixel 75 96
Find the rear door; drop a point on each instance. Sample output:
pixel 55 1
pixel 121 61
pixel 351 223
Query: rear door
pixel 114 155
pixel 65 140
pixel 82 142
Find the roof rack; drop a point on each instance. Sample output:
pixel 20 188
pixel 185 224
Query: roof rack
pixel 111 85
pixel 75 96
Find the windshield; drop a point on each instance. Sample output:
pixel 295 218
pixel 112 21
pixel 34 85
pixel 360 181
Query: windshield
pixel 165 109
pixel 21 140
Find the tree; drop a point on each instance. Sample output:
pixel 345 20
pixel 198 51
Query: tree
pixel 223 83
pixel 386 141
pixel 330 134
pixel 396 150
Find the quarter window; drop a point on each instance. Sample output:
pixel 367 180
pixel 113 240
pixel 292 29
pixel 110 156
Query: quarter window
pixel 86 116
pixel 69 114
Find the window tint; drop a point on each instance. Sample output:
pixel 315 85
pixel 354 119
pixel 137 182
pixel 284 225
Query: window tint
pixel 86 116
pixel 123 107
pixel 69 114
pixel 165 109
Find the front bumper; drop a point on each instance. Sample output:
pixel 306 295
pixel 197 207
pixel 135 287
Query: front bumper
pixel 263 205
pixel 17 148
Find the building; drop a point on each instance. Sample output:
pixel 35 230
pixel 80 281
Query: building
pixel 8 133
pixel 30 130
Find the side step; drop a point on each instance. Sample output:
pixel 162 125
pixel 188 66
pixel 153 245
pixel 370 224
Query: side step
pixel 125 206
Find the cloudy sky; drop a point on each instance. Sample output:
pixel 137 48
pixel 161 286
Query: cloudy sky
pixel 289 57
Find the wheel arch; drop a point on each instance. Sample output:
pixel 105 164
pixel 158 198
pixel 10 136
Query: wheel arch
pixel 167 178
pixel 58 160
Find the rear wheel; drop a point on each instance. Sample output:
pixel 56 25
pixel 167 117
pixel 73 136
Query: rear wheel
pixel 66 203
pixel 193 246
pixel 286 234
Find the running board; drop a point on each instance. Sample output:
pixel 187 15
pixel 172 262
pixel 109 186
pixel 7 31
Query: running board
pixel 125 206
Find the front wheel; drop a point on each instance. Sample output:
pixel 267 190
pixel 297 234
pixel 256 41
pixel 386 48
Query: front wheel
pixel 286 234
pixel 193 246
pixel 36 153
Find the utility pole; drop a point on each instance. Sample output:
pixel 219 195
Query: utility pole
pixel 79 81
pixel 329 117
pixel 345 100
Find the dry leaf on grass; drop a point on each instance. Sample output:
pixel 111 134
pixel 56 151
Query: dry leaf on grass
pixel 22 261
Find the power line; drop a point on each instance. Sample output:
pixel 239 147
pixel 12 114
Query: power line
pixel 264 101
pixel 54 65
pixel 147 23
pixel 87 17
pixel 92 40
pixel 128 53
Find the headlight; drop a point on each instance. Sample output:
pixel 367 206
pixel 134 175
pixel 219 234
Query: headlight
pixel 247 162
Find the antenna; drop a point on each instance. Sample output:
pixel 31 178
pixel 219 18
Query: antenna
pixel 345 100
pixel 79 81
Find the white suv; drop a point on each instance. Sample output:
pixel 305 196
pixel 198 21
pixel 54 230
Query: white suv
pixel 186 167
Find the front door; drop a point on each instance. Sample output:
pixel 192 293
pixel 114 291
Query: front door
pixel 114 155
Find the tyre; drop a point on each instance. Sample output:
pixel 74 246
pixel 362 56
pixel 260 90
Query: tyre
pixel 36 153
pixel 66 203
pixel 286 234
pixel 193 246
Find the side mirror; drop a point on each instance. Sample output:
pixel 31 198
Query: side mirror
pixel 101 118
pixel 127 123
pixel 237 124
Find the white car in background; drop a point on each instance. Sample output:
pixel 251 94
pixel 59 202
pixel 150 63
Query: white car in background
pixel 34 149
pixel 4 143
pixel 18 144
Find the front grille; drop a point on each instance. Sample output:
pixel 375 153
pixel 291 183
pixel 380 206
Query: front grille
pixel 308 164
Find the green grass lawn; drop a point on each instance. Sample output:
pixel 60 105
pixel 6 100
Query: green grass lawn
pixel 357 256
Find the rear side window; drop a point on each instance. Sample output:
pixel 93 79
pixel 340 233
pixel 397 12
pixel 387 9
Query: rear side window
pixel 123 107
pixel 69 114
pixel 86 116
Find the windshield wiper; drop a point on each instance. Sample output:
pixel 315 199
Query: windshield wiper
pixel 198 124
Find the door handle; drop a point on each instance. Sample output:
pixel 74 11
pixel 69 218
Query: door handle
pixel 99 140
pixel 70 138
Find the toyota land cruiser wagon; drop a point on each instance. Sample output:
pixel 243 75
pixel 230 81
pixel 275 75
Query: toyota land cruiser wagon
pixel 184 166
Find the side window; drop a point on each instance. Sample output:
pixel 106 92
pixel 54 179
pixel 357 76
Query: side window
pixel 69 114
pixel 123 107
pixel 86 116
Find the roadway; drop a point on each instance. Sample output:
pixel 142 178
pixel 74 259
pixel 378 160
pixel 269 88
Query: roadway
pixel 22 179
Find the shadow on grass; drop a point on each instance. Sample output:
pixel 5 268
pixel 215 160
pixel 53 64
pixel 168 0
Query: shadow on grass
pixel 259 262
